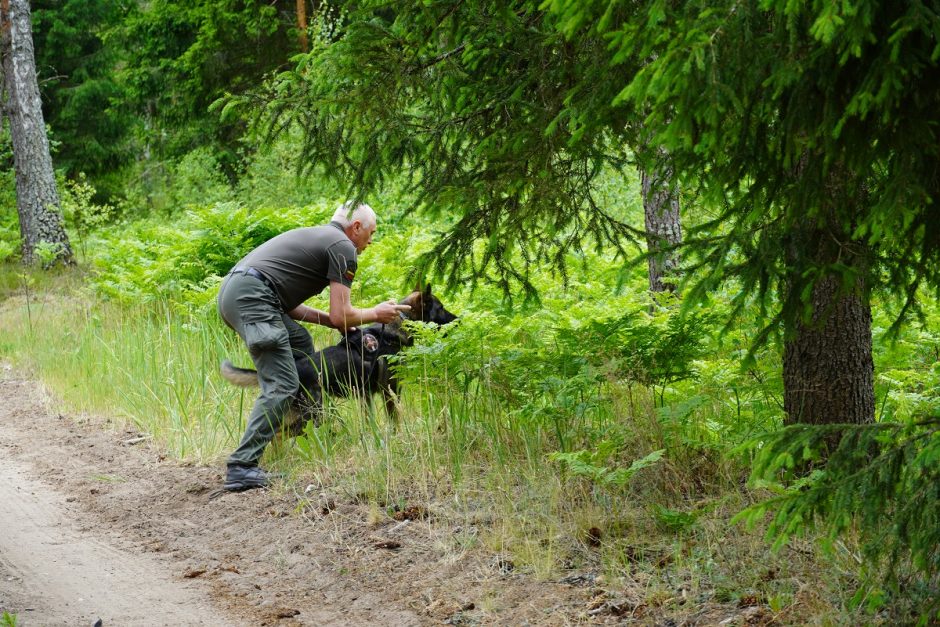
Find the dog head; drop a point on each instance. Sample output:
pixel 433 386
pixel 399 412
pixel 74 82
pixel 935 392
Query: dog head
pixel 427 307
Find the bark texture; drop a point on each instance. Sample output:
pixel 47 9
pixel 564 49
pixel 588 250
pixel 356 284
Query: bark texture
pixel 37 199
pixel 828 371
pixel 663 229
pixel 302 40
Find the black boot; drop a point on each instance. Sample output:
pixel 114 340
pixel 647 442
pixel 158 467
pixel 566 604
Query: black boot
pixel 238 478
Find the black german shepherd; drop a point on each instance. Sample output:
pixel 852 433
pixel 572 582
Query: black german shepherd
pixel 357 365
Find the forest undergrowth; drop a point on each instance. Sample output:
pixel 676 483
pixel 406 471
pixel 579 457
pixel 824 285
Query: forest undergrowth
pixel 594 433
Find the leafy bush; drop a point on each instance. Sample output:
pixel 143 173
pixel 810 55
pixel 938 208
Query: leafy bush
pixel 82 214
pixel 149 258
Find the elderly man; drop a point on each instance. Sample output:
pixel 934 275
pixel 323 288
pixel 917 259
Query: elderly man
pixel 263 296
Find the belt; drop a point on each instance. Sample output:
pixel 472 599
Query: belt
pixel 249 271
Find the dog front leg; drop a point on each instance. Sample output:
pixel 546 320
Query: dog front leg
pixel 390 394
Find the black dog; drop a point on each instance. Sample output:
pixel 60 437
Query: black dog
pixel 356 365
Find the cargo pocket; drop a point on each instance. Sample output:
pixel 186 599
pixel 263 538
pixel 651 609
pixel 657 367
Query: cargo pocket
pixel 263 336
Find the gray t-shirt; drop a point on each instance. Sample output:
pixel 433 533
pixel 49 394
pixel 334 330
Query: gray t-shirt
pixel 302 262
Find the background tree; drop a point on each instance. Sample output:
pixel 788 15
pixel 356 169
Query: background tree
pixel 36 195
pixel 84 103
pixel 814 127
pixel 183 55
pixel 496 119
pixel 663 224
pixel 302 39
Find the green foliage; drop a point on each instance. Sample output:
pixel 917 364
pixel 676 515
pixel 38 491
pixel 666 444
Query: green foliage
pixel 462 98
pixel 7 250
pixel 883 479
pixel 9 620
pixel 47 252
pixel 83 100
pixel 126 85
pixel 82 215
pixel 565 372
pixel 181 56
pixel 634 348
pixel 803 124
pixel 674 521
pixel 592 464
pixel 197 179
pixel 271 179
pixel 149 259
pixel 9 220
pixel 810 134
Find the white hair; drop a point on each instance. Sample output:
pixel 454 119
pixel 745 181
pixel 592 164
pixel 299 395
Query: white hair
pixel 349 212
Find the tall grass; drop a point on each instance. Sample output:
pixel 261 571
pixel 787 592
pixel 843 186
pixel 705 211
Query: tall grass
pixel 148 366
pixel 484 405
pixel 519 424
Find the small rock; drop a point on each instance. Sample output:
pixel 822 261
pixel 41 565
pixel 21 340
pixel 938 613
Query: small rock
pixel 286 613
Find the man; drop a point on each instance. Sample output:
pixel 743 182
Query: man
pixel 263 296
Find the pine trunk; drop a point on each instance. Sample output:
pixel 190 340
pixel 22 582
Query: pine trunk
pixel 828 372
pixel 37 200
pixel 663 229
pixel 302 26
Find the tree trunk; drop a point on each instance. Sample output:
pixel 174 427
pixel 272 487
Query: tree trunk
pixel 828 372
pixel 663 229
pixel 302 25
pixel 37 200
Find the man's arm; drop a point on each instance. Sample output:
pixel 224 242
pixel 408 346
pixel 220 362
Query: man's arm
pixel 303 313
pixel 344 316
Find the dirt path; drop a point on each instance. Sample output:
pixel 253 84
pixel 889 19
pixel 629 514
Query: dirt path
pixel 55 571
pixel 96 524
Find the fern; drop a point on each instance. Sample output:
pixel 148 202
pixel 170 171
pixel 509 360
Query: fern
pixel 589 464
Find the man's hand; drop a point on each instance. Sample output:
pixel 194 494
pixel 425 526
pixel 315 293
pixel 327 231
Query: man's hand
pixel 387 312
pixel 343 315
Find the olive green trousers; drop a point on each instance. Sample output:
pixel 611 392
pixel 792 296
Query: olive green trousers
pixel 274 341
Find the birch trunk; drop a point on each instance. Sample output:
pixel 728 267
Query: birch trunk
pixel 37 200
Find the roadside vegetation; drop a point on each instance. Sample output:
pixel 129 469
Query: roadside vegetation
pixel 677 241
pixel 592 432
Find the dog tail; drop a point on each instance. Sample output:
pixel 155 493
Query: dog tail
pixel 242 377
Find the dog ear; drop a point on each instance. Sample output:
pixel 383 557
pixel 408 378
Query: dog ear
pixel 427 291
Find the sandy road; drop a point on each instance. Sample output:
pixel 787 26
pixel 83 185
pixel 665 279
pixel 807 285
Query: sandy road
pixel 97 523
pixel 55 572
